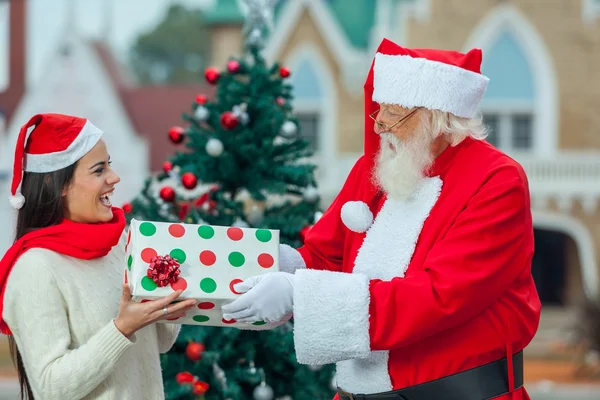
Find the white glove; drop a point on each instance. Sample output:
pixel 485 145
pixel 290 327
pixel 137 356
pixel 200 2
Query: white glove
pixel 268 298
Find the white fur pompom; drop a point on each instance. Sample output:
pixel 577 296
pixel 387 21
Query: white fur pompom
pixel 17 201
pixel 357 216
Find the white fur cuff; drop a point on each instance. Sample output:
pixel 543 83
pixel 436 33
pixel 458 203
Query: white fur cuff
pixel 331 316
pixel 290 259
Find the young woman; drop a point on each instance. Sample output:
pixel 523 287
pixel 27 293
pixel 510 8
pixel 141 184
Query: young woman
pixel 75 331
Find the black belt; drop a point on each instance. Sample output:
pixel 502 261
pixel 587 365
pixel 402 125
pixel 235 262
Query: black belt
pixel 479 383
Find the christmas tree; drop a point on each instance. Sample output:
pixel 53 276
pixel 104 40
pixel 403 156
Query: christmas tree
pixel 241 163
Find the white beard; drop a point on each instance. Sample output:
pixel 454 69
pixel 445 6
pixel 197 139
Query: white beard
pixel 399 170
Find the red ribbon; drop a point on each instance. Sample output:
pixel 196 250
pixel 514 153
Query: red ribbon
pixel 163 270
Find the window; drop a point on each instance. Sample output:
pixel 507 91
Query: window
pixel 509 103
pixel 492 123
pixel 510 130
pixel 309 129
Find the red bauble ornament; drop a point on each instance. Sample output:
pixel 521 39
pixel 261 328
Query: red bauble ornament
pixel 167 194
pixel 189 180
pixel 194 351
pixel 229 120
pixel 176 134
pixel 163 270
pixel 304 231
pixel 127 207
pixel 280 101
pixel 200 387
pixel 184 377
pixel 167 166
pixel 284 72
pixel 233 66
pixel 201 99
pixel 212 75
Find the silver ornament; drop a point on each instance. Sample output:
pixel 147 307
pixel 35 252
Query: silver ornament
pixel 240 112
pixel 214 147
pixel 311 194
pixel 252 368
pixel 263 392
pixel 220 375
pixel 315 367
pixel 258 13
pixel 237 110
pixel 201 113
pixel 318 216
pixel 288 130
pixel 255 39
pixel 255 216
pixel 244 118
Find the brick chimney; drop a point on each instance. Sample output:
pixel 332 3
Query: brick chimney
pixel 9 99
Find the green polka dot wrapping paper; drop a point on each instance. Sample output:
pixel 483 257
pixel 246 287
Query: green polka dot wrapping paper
pixel 212 260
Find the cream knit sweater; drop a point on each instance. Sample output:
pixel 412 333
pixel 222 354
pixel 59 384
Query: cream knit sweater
pixel 61 311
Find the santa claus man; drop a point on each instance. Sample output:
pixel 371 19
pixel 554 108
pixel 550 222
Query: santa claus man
pixel 417 279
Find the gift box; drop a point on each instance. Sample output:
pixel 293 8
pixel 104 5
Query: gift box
pixel 212 259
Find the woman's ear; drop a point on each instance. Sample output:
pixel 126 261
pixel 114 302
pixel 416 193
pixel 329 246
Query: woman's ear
pixel 65 190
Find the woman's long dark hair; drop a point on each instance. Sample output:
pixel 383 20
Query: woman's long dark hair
pixel 44 206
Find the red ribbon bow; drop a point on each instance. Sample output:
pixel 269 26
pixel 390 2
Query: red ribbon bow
pixel 163 270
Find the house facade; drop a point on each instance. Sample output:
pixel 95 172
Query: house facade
pixel 541 106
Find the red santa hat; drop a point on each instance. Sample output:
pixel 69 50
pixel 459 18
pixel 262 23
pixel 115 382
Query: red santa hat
pixel 442 80
pixel 47 143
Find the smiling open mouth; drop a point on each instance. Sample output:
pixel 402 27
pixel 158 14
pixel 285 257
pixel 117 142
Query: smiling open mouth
pixel 105 199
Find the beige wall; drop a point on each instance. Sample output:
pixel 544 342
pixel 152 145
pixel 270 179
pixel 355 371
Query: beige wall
pixel 226 42
pixel 574 293
pixel 573 46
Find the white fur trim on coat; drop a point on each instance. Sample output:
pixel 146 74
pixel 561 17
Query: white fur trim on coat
pixel 385 253
pixel 331 316
pixel 390 242
pixel 418 82
pixel 365 375
pixel 290 259
pixel 357 216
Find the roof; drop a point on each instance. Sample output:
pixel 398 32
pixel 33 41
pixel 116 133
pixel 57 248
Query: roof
pixel 119 75
pixel 152 109
pixel 355 21
pixel 223 12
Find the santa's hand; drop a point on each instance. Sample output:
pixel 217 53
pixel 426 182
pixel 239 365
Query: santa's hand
pixel 268 298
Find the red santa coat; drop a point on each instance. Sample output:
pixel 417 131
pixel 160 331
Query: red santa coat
pixel 438 284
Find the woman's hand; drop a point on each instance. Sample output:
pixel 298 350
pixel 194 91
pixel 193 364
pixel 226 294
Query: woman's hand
pixel 133 316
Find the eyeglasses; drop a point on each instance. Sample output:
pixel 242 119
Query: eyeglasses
pixel 388 128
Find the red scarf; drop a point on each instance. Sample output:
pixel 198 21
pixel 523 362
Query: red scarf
pixel 73 239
